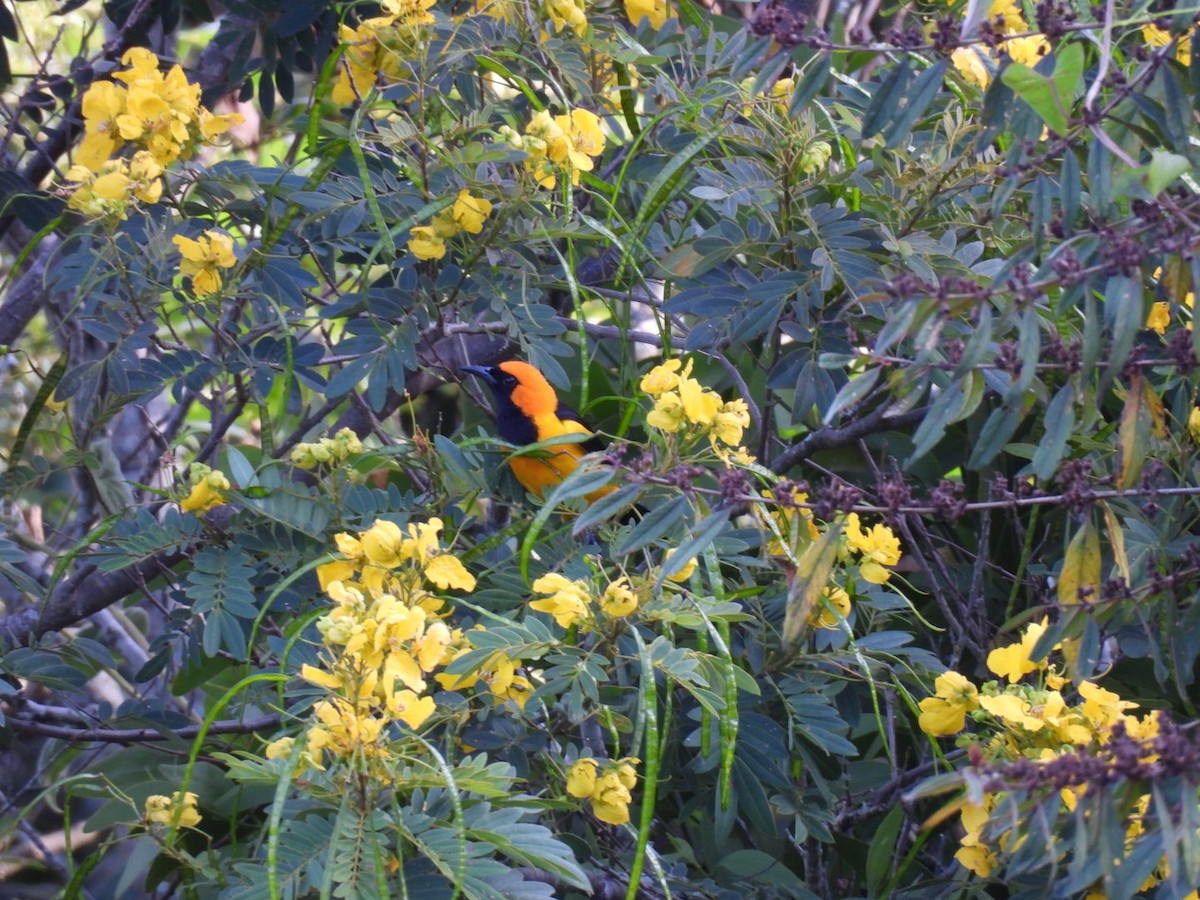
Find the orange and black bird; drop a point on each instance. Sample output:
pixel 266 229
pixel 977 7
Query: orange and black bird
pixel 528 412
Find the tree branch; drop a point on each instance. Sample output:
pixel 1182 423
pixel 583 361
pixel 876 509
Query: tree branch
pixel 829 438
pixel 139 735
pixel 78 596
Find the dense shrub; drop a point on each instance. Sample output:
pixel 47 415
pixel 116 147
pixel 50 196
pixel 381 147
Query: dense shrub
pixel 883 585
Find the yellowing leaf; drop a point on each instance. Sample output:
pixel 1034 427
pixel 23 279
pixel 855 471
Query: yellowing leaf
pixel 1081 566
pixel 809 581
pixel 1141 417
pixel 1116 540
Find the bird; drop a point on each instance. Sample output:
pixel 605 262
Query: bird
pixel 528 411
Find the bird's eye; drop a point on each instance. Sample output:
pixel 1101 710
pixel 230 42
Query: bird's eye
pixel 509 381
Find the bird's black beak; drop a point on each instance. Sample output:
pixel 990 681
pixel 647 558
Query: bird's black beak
pixel 484 372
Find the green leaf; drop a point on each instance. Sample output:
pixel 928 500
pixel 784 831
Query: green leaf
pixel 654 525
pixel 883 849
pixel 886 99
pixel 1060 420
pixel 701 536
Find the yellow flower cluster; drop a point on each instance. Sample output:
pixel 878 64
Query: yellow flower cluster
pixel 327 451
pixel 467 213
pixel 382 637
pixel 498 673
pixel 568 143
pixel 208 490
pixel 375 51
pixel 108 191
pixel 877 547
pixel 162 810
pixel 1160 37
pixel 158 114
pixel 567 14
pixel 1027 721
pixel 790 529
pixel 570 602
pixel 681 403
pixel 977 62
pixel 607 784
pixel 203 259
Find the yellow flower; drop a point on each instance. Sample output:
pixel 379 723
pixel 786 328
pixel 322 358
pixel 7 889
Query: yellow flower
pixel 978 858
pixel 383 544
pixel 700 405
pixel 946 712
pixel 1012 709
pixel 1193 424
pixel 1160 37
pixel 730 421
pixel 163 810
pixel 568 600
pixel 657 11
pixel 1160 317
pixel 1013 661
pixel 567 14
pixel 146 175
pixel 975 64
pixel 103 193
pixel 662 378
pixel 618 600
pixel 102 104
pixel 207 493
pixel 470 212
pixel 582 127
pixel 836 607
pixel 581 778
pixel 448 572
pixel 879 547
pixel 424 243
pixel 203 258
pixel 344 730
pixel 1027 50
pixel 410 709
pixel 1100 707
pixel 611 798
pixel 667 414
pixel 280 749
pixel 684 572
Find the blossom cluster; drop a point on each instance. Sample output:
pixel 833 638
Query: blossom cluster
pixel 163 810
pixel 327 451
pixel 607 784
pixel 1160 37
pixel 207 491
pixel 568 143
pixel 682 404
pixel 375 50
pixel 1026 721
pixel 466 214
pixel 158 115
pixel 382 639
pixel 977 63
pixel 570 602
pixel 791 528
pixel 203 258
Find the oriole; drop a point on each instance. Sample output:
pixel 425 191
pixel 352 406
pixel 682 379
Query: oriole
pixel 527 412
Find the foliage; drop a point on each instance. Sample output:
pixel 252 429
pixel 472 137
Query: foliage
pixel 883 587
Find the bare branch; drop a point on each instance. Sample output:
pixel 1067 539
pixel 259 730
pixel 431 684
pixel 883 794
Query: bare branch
pixel 138 735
